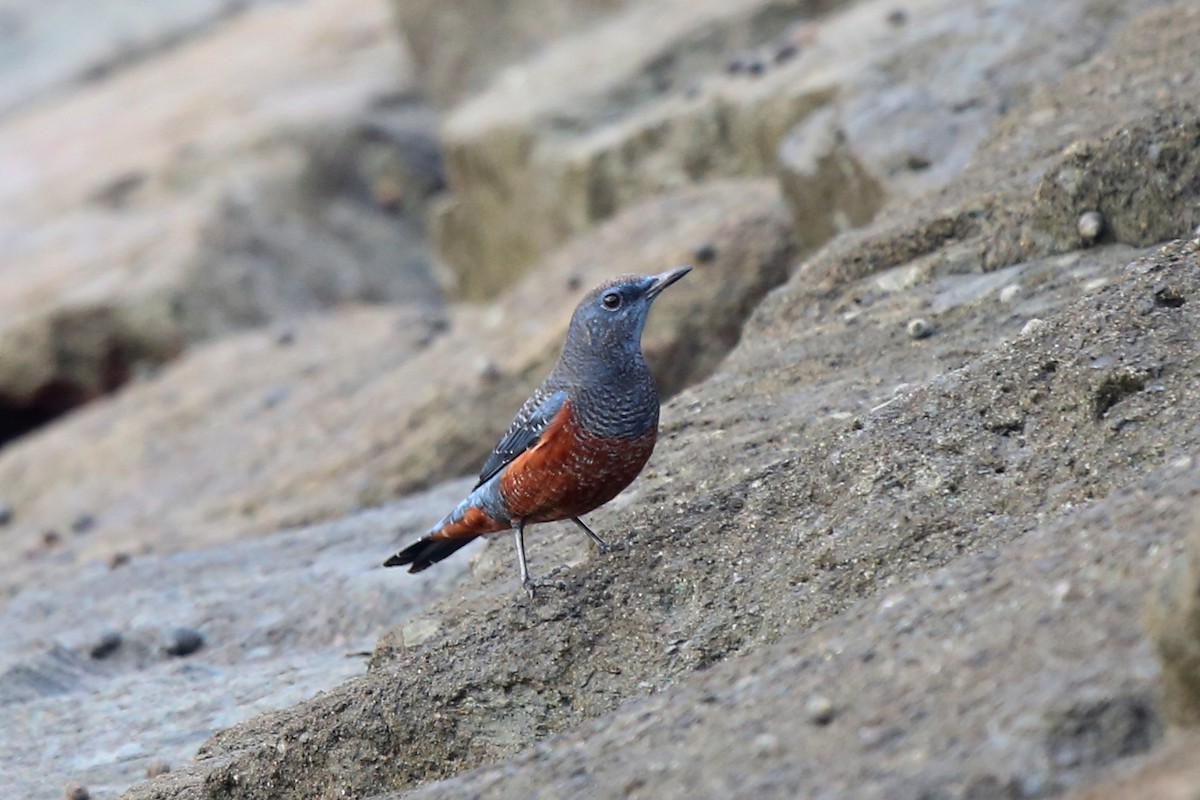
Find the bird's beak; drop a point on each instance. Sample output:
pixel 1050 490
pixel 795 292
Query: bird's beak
pixel 665 279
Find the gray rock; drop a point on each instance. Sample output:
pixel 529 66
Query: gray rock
pixel 1173 621
pixel 458 47
pixel 602 119
pixel 183 642
pixel 108 643
pixel 74 42
pixel 267 643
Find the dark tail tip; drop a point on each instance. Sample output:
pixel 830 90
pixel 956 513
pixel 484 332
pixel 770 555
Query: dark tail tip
pixel 425 553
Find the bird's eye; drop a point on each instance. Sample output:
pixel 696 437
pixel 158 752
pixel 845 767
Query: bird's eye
pixel 612 301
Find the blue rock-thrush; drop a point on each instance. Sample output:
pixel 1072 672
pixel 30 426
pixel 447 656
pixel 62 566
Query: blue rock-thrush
pixel 582 437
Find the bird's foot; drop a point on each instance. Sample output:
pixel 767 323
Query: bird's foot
pixel 531 586
pixel 606 548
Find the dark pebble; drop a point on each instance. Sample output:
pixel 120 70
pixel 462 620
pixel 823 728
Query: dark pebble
pixel 820 710
pixel 285 337
pixel 918 163
pixel 6 514
pixel 786 52
pixel 276 396
pixel 573 283
pixel 756 67
pixel 51 539
pixel 489 371
pixel 897 17
pixel 184 642
pixel 118 559
pixel 83 523
pixel 117 192
pixel 107 645
pixel 706 253
pixel 436 327
pixel 735 65
pixel 1168 296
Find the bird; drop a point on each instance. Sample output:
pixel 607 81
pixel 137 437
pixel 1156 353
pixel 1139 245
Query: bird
pixel 583 435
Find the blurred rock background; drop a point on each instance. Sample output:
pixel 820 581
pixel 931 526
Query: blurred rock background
pixel 276 274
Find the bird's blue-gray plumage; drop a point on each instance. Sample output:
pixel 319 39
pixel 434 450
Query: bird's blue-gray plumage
pixel 602 377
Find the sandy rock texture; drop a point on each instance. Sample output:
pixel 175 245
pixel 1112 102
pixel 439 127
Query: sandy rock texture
pixel 315 419
pixel 1173 619
pixel 865 560
pixel 160 661
pixel 870 101
pixel 457 48
pixel 918 522
pixel 218 186
pixel 56 47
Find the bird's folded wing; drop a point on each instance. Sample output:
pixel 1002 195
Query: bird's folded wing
pixel 525 431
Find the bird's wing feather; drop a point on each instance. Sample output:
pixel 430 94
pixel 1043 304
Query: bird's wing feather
pixel 525 431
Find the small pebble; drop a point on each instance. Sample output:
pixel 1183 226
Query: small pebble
pixel 157 767
pixel 573 283
pixel 1168 296
pixel 919 328
pixel 735 65
pixel 51 539
pixel 83 523
pixel 118 559
pixel 487 370
pixel 276 396
pixel 184 642
pixel 706 253
pixel 1009 292
pixel 285 337
pixel 6 514
pixel 106 645
pixel 1063 591
pixel 819 710
pixel 756 67
pixel 897 17
pixel 1091 225
pixel 76 791
pixel 1033 326
pixel 435 329
pixel 917 163
pixel 767 744
pixel 786 52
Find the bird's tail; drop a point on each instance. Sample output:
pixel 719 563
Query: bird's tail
pixel 461 527
pixel 426 552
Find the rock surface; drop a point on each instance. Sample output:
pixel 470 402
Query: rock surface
pixel 52 48
pixel 219 194
pixel 649 100
pixel 1173 620
pixel 1170 773
pixel 895 543
pixel 458 47
pixel 103 717
pixel 790 533
pixel 409 396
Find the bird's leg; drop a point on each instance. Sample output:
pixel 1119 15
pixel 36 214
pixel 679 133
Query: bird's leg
pixel 526 581
pixel 604 548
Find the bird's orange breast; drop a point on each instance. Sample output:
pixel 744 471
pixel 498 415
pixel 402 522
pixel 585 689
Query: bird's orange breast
pixel 570 471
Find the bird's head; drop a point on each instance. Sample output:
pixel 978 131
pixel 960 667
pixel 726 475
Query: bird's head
pixel 610 319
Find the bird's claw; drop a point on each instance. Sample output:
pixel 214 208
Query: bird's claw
pixel 608 548
pixel 531 586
